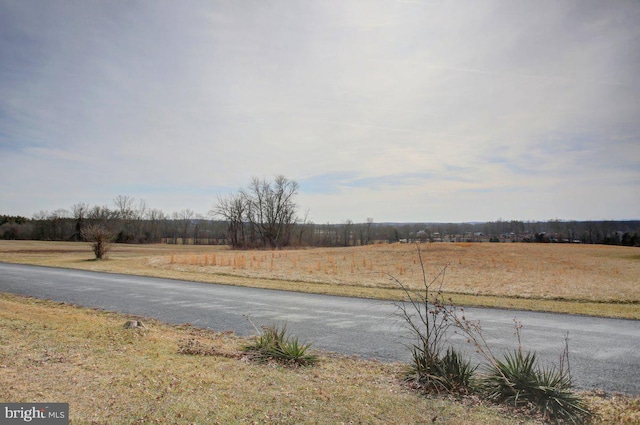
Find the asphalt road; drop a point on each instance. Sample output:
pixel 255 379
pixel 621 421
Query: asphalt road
pixel 604 353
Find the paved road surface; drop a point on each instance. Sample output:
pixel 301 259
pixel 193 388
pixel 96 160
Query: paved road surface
pixel 605 353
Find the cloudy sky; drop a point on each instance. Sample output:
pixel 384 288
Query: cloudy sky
pixel 396 110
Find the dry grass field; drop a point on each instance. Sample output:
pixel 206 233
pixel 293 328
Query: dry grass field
pixel 586 279
pixel 574 272
pixel 112 375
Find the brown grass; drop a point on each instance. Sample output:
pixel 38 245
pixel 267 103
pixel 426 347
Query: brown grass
pixel 587 279
pixel 109 374
pixel 575 272
pixel 112 375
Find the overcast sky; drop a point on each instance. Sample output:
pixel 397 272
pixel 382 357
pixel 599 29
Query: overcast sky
pixel 422 111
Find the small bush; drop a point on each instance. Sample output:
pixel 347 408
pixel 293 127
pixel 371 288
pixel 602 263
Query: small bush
pixel 518 380
pixel 450 373
pixel 274 344
pixel 100 238
pixel 458 371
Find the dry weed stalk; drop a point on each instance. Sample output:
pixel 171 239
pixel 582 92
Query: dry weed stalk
pixel 435 316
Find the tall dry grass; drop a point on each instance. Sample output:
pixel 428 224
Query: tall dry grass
pixel 581 279
pixel 573 272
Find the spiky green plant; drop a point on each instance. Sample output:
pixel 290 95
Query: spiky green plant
pixel 519 381
pixel 429 317
pixel 449 373
pixel 458 371
pixel 273 343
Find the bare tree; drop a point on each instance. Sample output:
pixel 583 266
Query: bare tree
pixel 125 207
pixel 263 215
pixel 232 210
pixel 80 212
pixel 198 228
pixel 61 226
pixel 101 213
pixel 345 234
pixel 184 218
pixel 302 227
pixel 364 231
pixel 100 237
pixel 271 210
pixel 139 226
pixel 156 217
pixel 125 212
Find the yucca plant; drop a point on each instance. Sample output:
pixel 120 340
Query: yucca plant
pixel 519 381
pixel 273 343
pixel 507 379
pixel 458 371
pixel 450 373
pixel 516 380
pixel 429 317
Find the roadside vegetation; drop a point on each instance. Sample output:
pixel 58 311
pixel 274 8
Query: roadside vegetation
pixel 274 344
pixel 593 280
pixel 112 374
pixel 515 379
pixel 101 240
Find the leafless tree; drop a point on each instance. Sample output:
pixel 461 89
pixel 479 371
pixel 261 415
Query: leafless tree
pixel 155 218
pixel 271 209
pixel 139 226
pixel 364 231
pixel 100 237
pixel 101 213
pixel 232 210
pixel 262 215
pixel 125 209
pixel 303 226
pixel 60 224
pixel 345 233
pixel 80 212
pixel 184 218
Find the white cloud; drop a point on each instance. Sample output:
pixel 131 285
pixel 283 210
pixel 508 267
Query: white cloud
pixel 467 110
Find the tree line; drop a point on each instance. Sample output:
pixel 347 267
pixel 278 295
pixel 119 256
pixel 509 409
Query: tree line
pixel 608 232
pixel 265 215
pixel 128 221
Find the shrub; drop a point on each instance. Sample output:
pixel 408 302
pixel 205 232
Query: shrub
pixel 100 238
pixel 273 343
pixel 429 317
pixel 519 381
pixel 516 380
pixel 450 373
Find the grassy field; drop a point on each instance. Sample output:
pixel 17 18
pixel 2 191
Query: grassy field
pixel 580 279
pixel 112 375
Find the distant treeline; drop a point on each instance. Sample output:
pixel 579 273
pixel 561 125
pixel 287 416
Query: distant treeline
pixel 139 224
